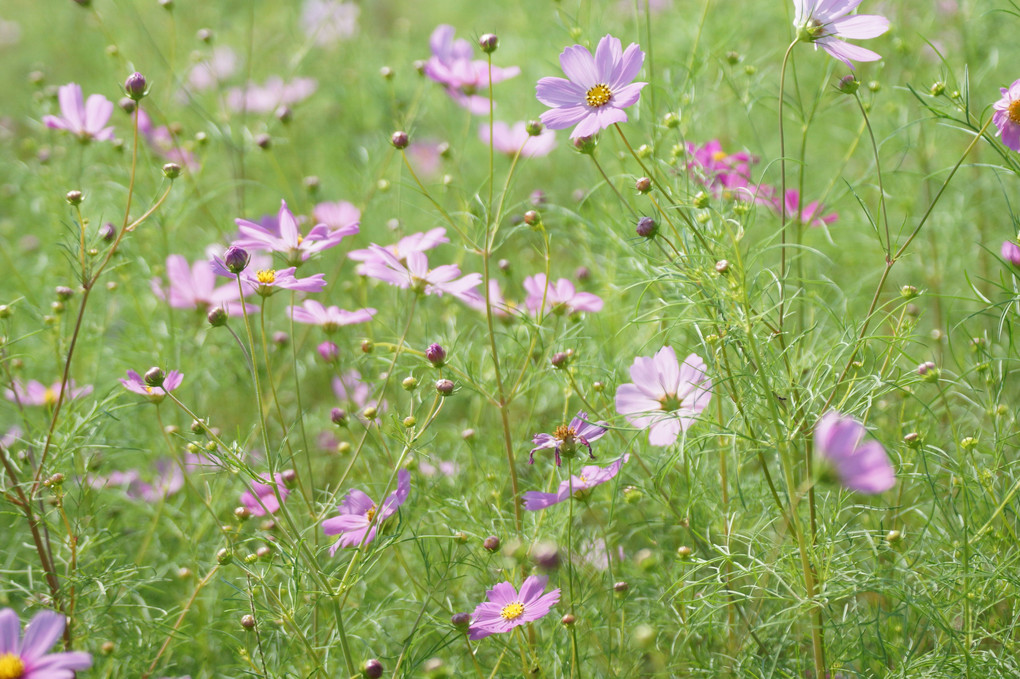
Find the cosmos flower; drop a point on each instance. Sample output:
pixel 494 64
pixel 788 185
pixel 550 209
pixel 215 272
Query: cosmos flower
pixel 87 119
pixel 590 476
pixel 1011 252
pixel 559 298
pixel 566 437
pixel 329 319
pixel 501 307
pixel 267 98
pixel 194 287
pixel 136 383
pixel 207 74
pixel 823 21
pixel 25 657
pixel 350 388
pixel 168 481
pixel 162 141
pixel 452 66
pixel 861 467
pixel 265 282
pixel 665 397
pixel 1007 115
pixel 360 517
pixel 37 394
pixel 413 272
pixel 284 236
pixel 416 242
pixel 507 608
pixel 808 215
pixel 596 90
pixel 329 21
pixel 510 140
pixel 261 499
pixel 724 174
pixel 337 215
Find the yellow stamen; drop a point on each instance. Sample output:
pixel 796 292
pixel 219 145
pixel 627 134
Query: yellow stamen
pixel 584 479
pixel 300 238
pixel 598 96
pixel 719 155
pixel 50 397
pixel 11 666
pixel 564 433
pixel 512 611
pixel 370 514
pixel 266 276
pixel 1014 111
pixel 148 389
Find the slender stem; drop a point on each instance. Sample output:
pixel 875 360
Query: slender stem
pixel 782 190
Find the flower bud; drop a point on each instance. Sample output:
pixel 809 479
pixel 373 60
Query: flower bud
pixel 264 552
pixel 646 227
pixel 621 587
pixel 436 355
pixel 399 140
pixel 893 536
pixel 546 556
pixel 722 266
pixel 460 619
pixel 64 293
pixel 367 346
pixel 154 377
pixel 532 218
pixel 224 556
pixel 74 197
pixel 848 84
pixel 217 317
pixel 534 127
pixel 488 43
pixel 288 476
pixel 281 339
pixel 242 513
pixel 236 259
pixel 585 145
pixel 701 200
pixel 568 620
pixel 491 543
pixel 409 421
pixel 643 185
pixel 263 141
pixel 444 387
pixel 504 265
pixel 338 417
pixel 329 352
pixel 171 171
pixel 311 184
pixel 369 412
pixel 684 553
pixel 248 621
pixel 409 383
pixel 284 114
pixel 925 368
pixel 908 292
pixel 373 669
pixel 671 120
pixel 134 86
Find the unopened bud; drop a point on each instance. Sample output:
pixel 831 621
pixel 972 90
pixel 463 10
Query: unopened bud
pixel 248 621
pixel 643 185
pixel 722 266
pixel 217 317
pixel 107 232
pixel 373 669
pixel 488 43
pixel 848 84
pixel 154 377
pixel 534 127
pixel 531 218
pixel 444 387
pixel 568 620
pixel 134 86
pixel 242 513
pixel 460 619
pixel 74 197
pixel 338 417
pixel 264 141
pixel 409 383
pixel 436 355
pixel 646 227
pixel 171 171
pixel 400 140
pixel 491 543
pixel 236 259
pixel 367 346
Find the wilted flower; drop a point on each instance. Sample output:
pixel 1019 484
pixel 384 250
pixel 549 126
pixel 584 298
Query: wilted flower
pixel 328 318
pixel 37 394
pixel 505 608
pixel 1007 115
pixel 510 140
pixel 566 437
pixel 451 65
pixel 665 397
pixel 87 119
pixel 360 517
pixel 861 467
pixel 25 657
pixel 559 298
pixel 590 476
pixel 136 383
pixel 823 21
pixel 261 499
pixel 596 90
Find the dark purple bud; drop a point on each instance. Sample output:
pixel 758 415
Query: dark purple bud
pixel 646 227
pixel 488 43
pixel 154 377
pixel 373 669
pixel 236 259
pixel 367 346
pixel 444 387
pixel 217 317
pixel 400 140
pixel 643 185
pixel 64 293
pixel 559 359
pixel 436 355
pixel 108 232
pixel 534 127
pixel 338 417
pixel 134 86
pixel 491 543
pixel 460 619
pixel 585 145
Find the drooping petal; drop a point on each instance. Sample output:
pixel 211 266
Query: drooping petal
pixel 847 52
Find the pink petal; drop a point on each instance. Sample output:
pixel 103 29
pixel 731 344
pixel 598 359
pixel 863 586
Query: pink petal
pixel 579 66
pixel 860 27
pixel 558 92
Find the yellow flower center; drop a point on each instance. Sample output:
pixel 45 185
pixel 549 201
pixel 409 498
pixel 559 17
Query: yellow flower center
pixel 719 155
pixel 50 398
pixel 300 239
pixel 11 666
pixel 148 389
pixel 266 276
pixel 564 433
pixel 370 514
pixel 584 479
pixel 598 96
pixel 512 611
pixel 1014 111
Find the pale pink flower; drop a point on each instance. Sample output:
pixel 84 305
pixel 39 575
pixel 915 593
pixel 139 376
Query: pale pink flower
pixel 452 66
pixel 1007 116
pixel 37 394
pixel 261 499
pixel 510 140
pixel 86 119
pixel 416 242
pixel 360 517
pixel 328 318
pixel 822 22
pixel 414 273
pixel 267 98
pixel 559 298
pixel 329 21
pixel 194 287
pixel 863 467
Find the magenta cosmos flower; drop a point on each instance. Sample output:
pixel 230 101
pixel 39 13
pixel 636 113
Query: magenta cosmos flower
pixel 286 237
pixel 87 119
pixel 824 21
pixel 1007 115
pixel 665 397
pixel 452 66
pixel 413 272
pixel 261 499
pixel 135 383
pixel 511 140
pixel 360 517
pixel 328 318
pixel 559 298
pixel 596 90
pixel 1011 252
pixel 861 467
pixel 809 214
pixel 724 174
pixel 566 437
pixel 25 657
pixel 507 608
pixel 194 287
pixel 590 476
pixel 35 393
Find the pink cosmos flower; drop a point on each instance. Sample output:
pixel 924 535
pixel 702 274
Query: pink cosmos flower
pixel 566 437
pixel 162 141
pixel 444 467
pixel 596 90
pixel 510 140
pixel 136 383
pixel 331 318
pixel 507 608
pixel 266 282
pixel 414 273
pixel 590 476
pixel 261 499
pixel 416 242
pixel 451 65
pixel 37 394
pixel 360 517
pixel 864 468
pixel 724 174
pixel 559 298
pixel 808 215
pixel 337 215
pixel 501 307
pixel 168 481
pixel 351 388
pixel 823 21
pixel 286 237
pixel 87 119
pixel 665 397
pixel 209 73
pixel 267 98
pixel 194 287
pixel 328 21
pixel 25 657
pixel 1007 115
pixel 1011 252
